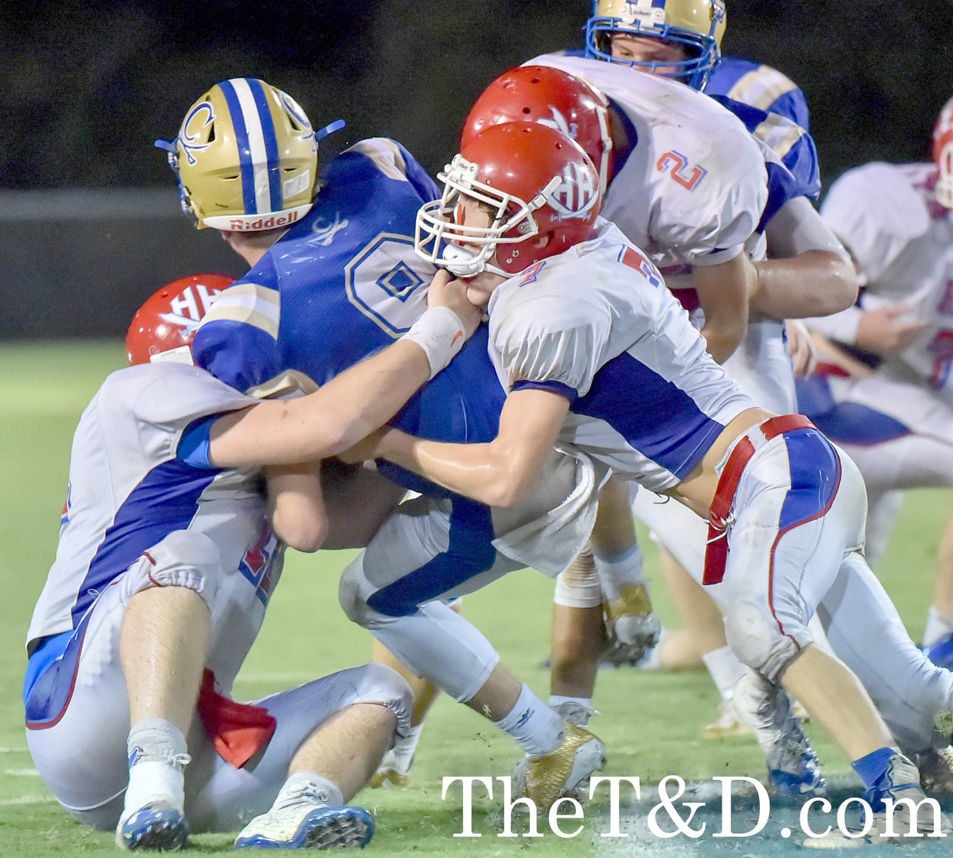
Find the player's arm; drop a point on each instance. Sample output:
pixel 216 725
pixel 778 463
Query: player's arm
pixel 296 505
pixel 809 273
pixel 723 291
pixel 354 403
pixel 500 473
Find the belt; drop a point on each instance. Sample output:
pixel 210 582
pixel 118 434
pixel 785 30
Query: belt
pixel 716 549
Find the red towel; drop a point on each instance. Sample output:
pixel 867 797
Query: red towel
pixel 238 730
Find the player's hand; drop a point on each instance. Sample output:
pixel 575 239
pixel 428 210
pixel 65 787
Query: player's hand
pixel 886 330
pixel 447 291
pixel 800 348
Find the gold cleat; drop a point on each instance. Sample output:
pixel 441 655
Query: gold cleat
pixel 631 626
pixel 547 778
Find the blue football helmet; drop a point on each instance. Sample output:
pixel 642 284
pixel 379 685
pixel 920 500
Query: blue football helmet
pixel 696 26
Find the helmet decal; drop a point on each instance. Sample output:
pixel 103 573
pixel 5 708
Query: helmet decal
pixel 576 193
pixel 538 188
pixel 193 126
pixel 163 327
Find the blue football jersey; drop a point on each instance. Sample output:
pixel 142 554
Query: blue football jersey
pixel 342 284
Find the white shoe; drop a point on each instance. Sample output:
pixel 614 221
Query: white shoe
pixel 896 825
pixel 303 821
pixel 562 772
pixel 153 816
pixel 156 827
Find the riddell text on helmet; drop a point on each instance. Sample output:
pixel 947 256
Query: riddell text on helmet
pixel 270 222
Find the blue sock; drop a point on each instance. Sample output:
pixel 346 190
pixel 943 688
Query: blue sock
pixel 873 769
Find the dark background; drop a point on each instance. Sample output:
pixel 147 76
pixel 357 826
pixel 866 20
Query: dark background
pixel 86 87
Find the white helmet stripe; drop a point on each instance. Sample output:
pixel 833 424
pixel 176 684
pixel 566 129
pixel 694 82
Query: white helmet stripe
pixel 253 130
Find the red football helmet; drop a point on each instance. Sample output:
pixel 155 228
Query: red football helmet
pixel 551 97
pixel 164 325
pixel 943 155
pixel 535 180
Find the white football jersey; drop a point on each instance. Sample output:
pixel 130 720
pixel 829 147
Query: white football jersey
pixel 597 325
pixel 902 240
pixel 128 490
pixel 694 186
pixel 692 192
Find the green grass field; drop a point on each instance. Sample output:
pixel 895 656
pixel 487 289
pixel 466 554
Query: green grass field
pixel 649 720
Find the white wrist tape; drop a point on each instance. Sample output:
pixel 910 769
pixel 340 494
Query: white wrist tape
pixel 439 332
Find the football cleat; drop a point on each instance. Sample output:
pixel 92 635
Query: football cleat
pixel 793 767
pixel 936 770
pixel 898 824
pixel 302 825
pixel 155 827
pixel 562 772
pixel 631 626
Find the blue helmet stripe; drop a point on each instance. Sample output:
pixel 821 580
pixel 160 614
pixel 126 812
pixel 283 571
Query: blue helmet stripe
pixel 245 161
pixel 271 143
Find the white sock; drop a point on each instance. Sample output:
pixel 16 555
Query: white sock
pixel 402 754
pixel 536 728
pixel 619 571
pixel 938 626
pixel 157 761
pixel 316 787
pixel 725 670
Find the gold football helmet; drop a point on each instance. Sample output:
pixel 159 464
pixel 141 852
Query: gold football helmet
pixel 246 158
pixel 697 26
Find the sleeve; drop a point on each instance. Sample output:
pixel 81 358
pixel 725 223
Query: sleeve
pixel 395 162
pixel 874 211
pixel 545 347
pixel 709 222
pixel 237 341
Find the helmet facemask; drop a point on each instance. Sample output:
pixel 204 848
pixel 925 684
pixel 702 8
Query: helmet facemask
pixel 441 240
pixel 696 26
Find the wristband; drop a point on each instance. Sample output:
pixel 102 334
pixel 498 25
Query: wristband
pixel 439 332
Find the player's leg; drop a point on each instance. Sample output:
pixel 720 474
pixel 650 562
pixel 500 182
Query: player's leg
pixel 128 670
pixel 816 522
pixel 601 605
pixel 429 552
pixel 396 764
pixel 900 435
pixel 163 641
pixel 328 737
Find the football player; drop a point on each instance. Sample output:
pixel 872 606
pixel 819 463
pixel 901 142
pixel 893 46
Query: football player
pixel 889 400
pixel 806 271
pixel 334 278
pixel 169 552
pixel 597 354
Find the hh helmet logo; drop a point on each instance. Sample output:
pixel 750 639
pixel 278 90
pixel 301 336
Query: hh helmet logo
pixel 577 192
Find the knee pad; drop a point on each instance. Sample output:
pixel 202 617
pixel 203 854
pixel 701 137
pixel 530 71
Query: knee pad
pixel 381 684
pixel 184 558
pixel 756 640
